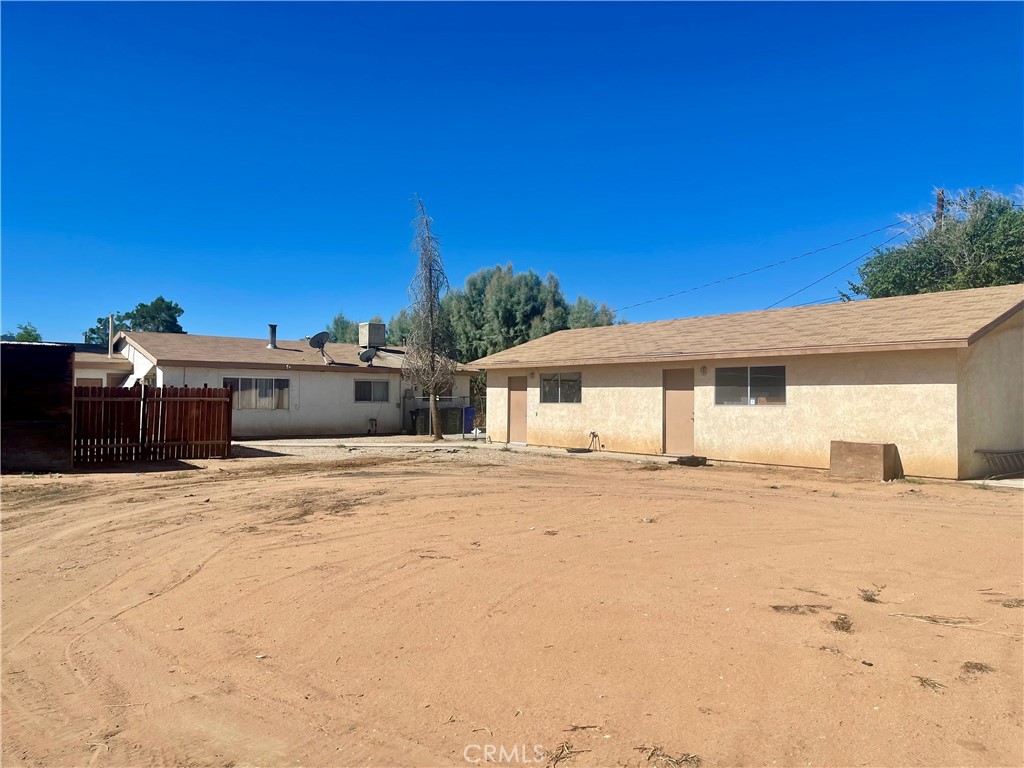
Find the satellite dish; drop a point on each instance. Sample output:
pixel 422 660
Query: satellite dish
pixel 368 354
pixel 319 340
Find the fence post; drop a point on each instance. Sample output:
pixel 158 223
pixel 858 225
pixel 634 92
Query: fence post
pixel 143 447
pixel 227 422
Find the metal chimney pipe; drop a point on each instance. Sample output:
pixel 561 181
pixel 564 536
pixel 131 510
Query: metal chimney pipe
pixel 273 336
pixel 110 335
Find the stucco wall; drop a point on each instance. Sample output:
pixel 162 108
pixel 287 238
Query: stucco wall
pixel 141 364
pixel 907 398
pixel 623 405
pixel 990 408
pixel 99 371
pixel 496 423
pixel 320 403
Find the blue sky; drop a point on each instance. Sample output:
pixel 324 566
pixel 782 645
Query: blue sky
pixel 256 162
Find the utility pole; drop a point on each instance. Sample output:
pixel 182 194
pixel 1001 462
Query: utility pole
pixel 940 207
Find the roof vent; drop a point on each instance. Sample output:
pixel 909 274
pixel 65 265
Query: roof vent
pixel 273 336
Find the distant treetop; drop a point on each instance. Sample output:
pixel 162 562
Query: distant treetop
pixel 499 308
pixel 25 332
pixel 978 242
pixel 160 316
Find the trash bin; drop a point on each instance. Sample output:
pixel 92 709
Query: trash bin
pixel 468 417
pixel 450 418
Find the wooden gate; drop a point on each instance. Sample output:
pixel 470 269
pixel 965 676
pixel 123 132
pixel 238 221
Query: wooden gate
pixel 151 423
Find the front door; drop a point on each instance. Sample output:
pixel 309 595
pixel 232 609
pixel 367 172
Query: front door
pixel 678 411
pixel 517 409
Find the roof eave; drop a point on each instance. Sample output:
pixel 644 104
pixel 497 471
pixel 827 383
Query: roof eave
pixel 233 365
pixel 123 336
pixel 484 364
pixel 996 322
pixel 122 365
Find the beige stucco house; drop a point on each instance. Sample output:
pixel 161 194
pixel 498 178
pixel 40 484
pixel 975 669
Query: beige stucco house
pixel 287 388
pixel 940 375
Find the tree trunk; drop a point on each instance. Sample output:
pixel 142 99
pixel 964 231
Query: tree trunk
pixel 434 420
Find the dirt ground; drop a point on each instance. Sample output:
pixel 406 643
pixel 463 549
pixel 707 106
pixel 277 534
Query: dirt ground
pixel 428 606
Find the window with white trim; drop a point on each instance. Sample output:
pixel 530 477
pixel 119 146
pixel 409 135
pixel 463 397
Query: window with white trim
pixel 754 385
pixel 374 391
pixel 259 394
pixel 561 387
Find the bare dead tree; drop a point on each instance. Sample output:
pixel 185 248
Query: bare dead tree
pixel 430 350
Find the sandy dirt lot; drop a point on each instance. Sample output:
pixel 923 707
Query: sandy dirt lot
pixel 422 607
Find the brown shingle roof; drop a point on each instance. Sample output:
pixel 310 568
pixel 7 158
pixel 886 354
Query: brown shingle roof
pixel 100 360
pixel 188 349
pixel 930 320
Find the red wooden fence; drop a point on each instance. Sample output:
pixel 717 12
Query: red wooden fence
pixel 151 423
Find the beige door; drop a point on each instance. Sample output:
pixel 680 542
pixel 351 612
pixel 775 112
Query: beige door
pixel 517 409
pixel 678 388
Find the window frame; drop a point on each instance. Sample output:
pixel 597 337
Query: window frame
pixel 374 385
pixel 561 387
pixel 247 397
pixel 751 400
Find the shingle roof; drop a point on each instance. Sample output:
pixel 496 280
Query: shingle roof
pixel 100 360
pixel 922 321
pixel 188 349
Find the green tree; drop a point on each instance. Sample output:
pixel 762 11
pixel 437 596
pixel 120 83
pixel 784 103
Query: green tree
pixel 587 314
pixel 979 243
pixel 98 333
pixel 511 304
pixel 467 310
pixel 341 330
pixel 159 316
pixel 25 332
pixel 499 308
pixel 399 328
pixel 429 357
pixel 554 314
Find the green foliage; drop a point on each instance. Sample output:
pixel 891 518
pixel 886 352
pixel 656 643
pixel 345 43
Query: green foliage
pixel 26 332
pixel 980 243
pixel 586 314
pixel 341 330
pixel 499 308
pixel 159 316
pixel 98 333
pixel 399 329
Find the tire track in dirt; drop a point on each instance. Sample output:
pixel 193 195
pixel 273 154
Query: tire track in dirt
pixel 434 617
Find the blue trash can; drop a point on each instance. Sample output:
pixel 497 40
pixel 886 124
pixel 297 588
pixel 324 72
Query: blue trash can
pixel 468 417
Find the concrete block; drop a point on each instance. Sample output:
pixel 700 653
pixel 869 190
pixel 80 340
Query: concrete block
pixel 864 461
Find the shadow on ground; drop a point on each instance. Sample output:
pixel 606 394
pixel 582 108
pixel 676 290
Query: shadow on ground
pixel 248 452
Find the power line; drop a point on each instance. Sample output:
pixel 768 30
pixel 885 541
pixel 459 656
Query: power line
pixel 847 264
pixel 768 266
pixel 826 300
